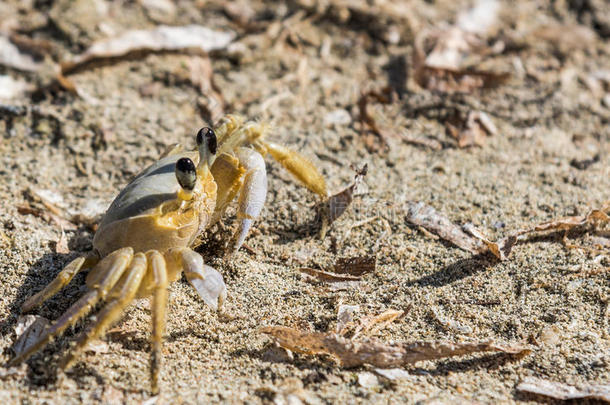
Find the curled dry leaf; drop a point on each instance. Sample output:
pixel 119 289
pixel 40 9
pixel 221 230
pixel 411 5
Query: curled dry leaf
pixel 375 352
pixel 430 219
pixel 561 391
pixel 161 39
pixel 28 330
pixel 336 204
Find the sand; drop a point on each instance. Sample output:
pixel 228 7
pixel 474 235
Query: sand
pixel 78 152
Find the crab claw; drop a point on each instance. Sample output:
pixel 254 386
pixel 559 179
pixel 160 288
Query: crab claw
pixel 253 194
pixel 206 280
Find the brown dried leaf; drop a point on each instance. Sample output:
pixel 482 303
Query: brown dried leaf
pixel 212 103
pixel 29 328
pixel 160 39
pixel 376 353
pixel 356 266
pixel 561 391
pixel 471 131
pixel 372 325
pixel 370 131
pixel 500 249
pixel 338 203
pixel 427 217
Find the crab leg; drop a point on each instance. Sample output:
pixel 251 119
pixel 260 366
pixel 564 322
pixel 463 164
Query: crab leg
pixel 63 278
pixel 111 268
pixel 253 192
pixel 206 280
pixel 299 166
pixel 122 293
pixel 159 272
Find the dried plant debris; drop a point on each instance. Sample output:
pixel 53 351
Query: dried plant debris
pixel 502 248
pixel 28 330
pixel 443 67
pixel 471 239
pixel 338 203
pixel 160 39
pixel 347 272
pixel 472 130
pixel 423 215
pixel 377 353
pixel 211 102
pixel 564 392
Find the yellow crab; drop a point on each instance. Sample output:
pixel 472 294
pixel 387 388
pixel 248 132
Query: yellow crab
pixel 144 240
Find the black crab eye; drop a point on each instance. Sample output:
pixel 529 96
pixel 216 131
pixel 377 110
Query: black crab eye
pixel 186 173
pixel 207 134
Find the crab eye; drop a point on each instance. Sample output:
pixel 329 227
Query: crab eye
pixel 208 136
pixel 186 173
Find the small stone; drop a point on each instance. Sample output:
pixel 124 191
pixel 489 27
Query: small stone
pixel 368 380
pixel 337 117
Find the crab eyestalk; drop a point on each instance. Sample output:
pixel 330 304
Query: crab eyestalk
pixel 206 145
pixel 186 174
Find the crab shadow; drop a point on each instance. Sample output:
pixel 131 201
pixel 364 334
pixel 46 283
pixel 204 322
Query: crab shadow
pixel 41 373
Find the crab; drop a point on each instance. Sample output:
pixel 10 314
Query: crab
pixel 146 238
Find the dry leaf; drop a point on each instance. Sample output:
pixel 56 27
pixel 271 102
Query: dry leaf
pixel 336 204
pixel 29 328
pixel 502 248
pixel 160 39
pixel 371 325
pixel 327 276
pixel 442 68
pixel 375 352
pixel 427 217
pixel 471 131
pixel 212 103
pixel 355 266
pixel 370 131
pixel 563 391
